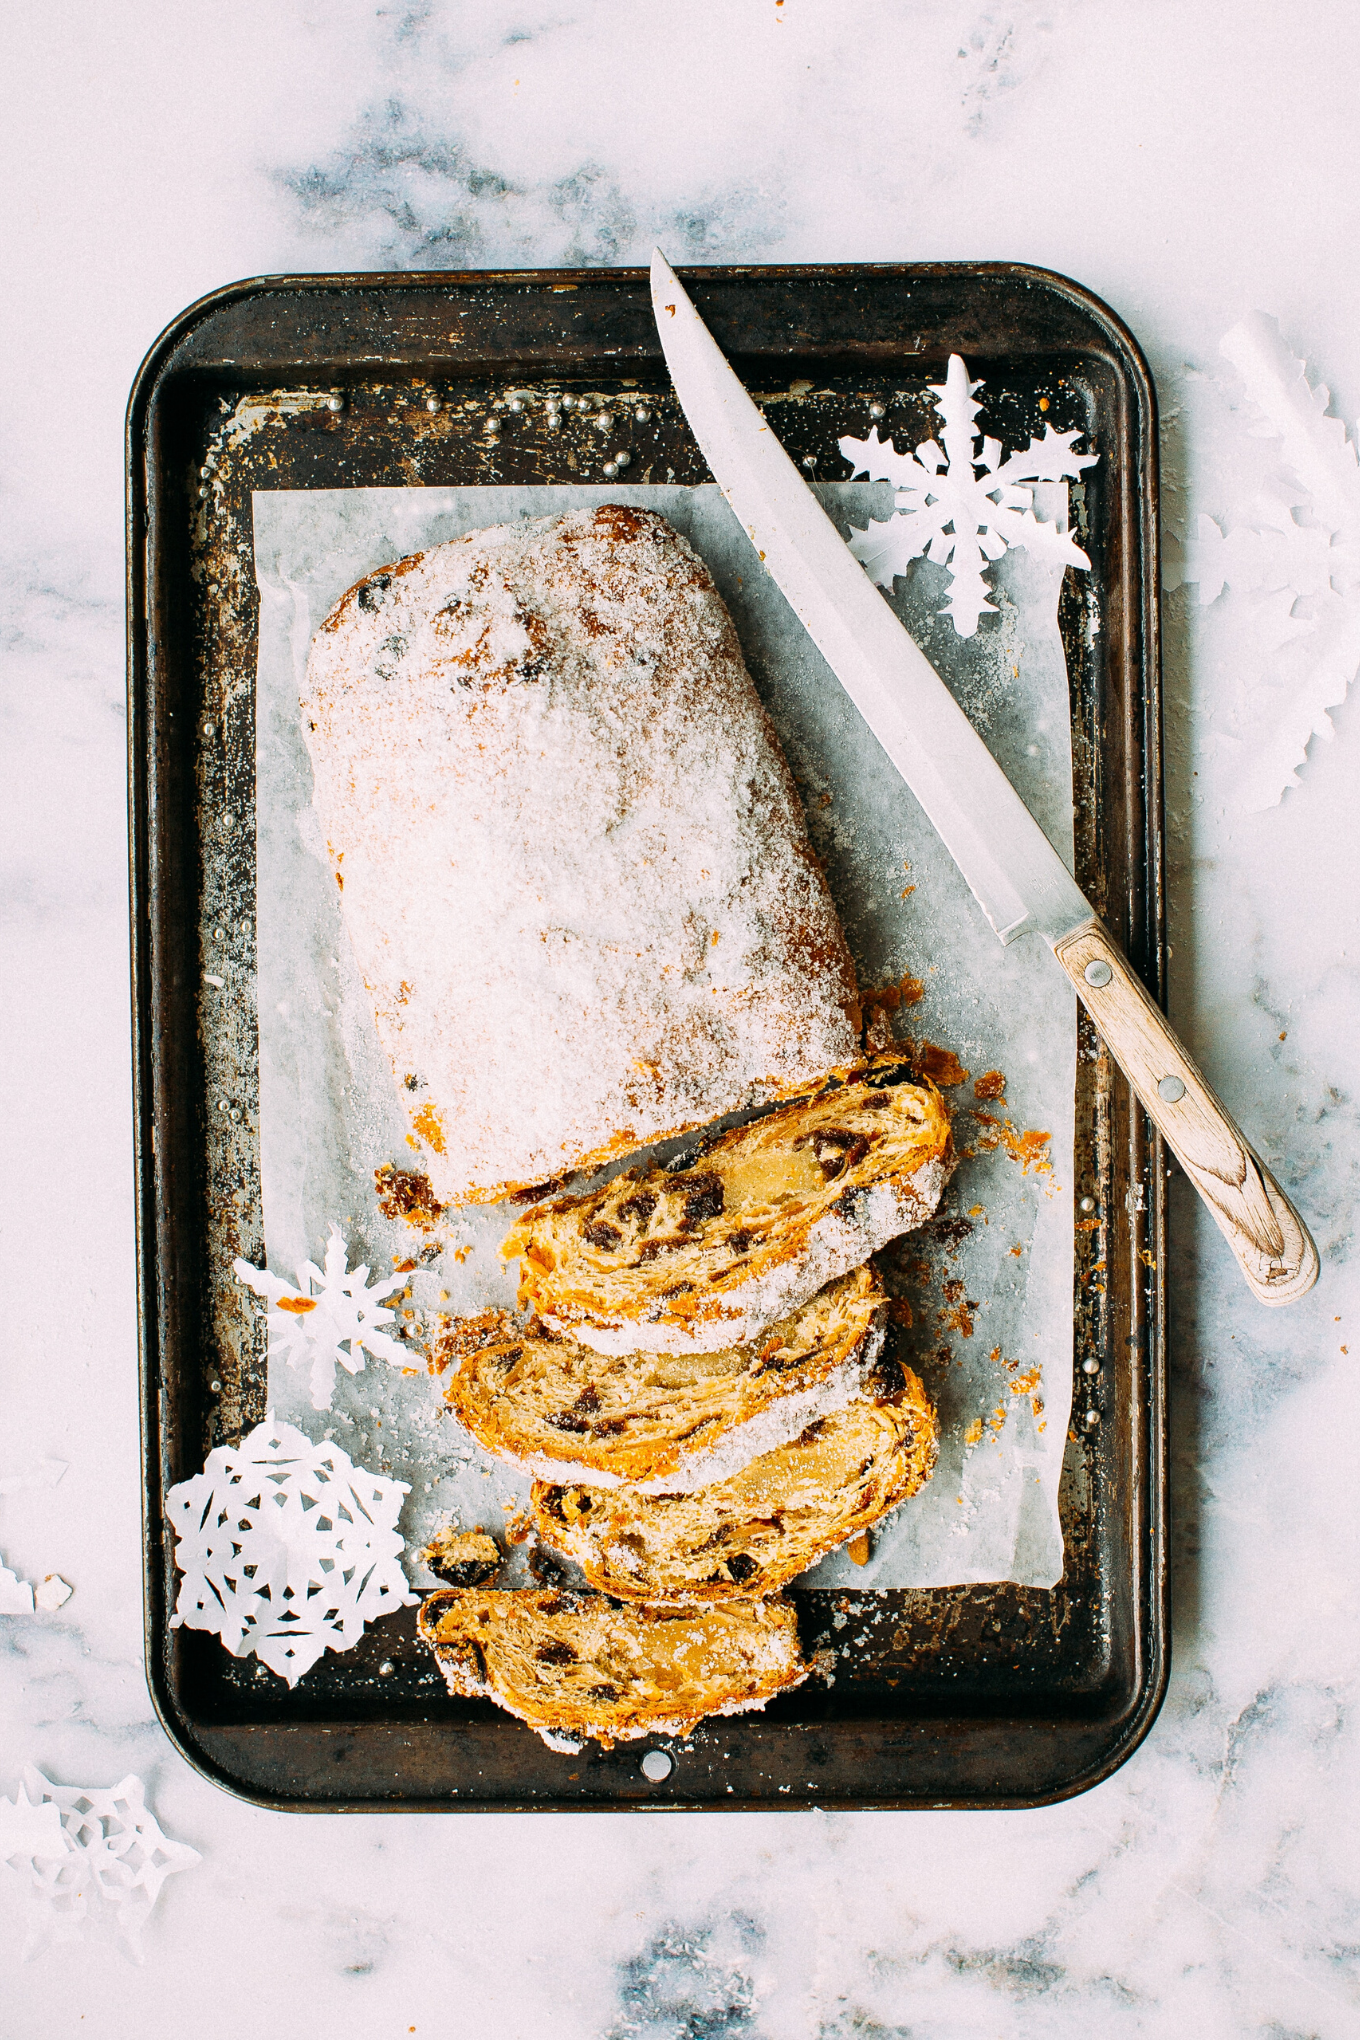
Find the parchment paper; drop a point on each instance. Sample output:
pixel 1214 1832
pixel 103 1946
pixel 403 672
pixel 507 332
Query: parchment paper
pixel 329 1113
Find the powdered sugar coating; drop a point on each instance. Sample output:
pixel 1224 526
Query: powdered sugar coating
pixel 573 864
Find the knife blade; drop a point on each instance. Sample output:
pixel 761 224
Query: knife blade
pixel 1015 874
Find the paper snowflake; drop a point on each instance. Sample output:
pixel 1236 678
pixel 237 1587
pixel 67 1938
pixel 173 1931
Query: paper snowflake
pixel 1288 639
pixel 327 1317
pixel 287 1548
pixel 16 1595
pixel 92 1857
pixel 961 505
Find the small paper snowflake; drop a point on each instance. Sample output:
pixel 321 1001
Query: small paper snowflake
pixel 16 1595
pixel 332 1320
pixel 92 1857
pixel 962 505
pixel 287 1548
pixel 1288 638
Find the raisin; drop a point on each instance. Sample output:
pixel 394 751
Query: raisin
pixel 371 591
pixel 603 1235
pixel 536 1191
pixel 680 1289
pixel 741 1566
pixel 470 1572
pixel 741 1241
pixel 577 1418
pixel 604 1692
pixel 640 1206
pixel 556 1654
pixel 651 1249
pixel 879 1102
pixel 844 1150
pixel 704 1199
pixel 898 1073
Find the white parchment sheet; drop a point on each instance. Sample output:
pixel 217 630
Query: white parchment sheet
pixel 328 1108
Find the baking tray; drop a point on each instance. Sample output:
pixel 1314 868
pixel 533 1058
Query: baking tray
pixel 969 1696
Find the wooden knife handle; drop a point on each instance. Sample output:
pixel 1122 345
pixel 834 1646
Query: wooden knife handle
pixel 1270 1240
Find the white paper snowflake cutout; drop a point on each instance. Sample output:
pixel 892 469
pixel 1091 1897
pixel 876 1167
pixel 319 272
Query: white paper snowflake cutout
pixel 287 1548
pixel 962 505
pixel 92 1857
pixel 327 1317
pixel 1288 638
pixel 16 1595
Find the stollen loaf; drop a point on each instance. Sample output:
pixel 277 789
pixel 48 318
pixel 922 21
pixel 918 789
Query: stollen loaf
pixel 571 860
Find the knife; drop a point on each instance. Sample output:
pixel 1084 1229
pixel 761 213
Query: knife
pixel 1016 876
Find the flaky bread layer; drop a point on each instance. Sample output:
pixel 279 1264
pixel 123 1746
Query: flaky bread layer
pixel 710 1250
pixel 573 1665
pixel 660 1422
pixel 756 1531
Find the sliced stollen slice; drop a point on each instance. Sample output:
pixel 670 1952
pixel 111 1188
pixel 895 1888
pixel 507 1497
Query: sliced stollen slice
pixel 574 1665
pixel 663 1422
pixel 712 1248
pixel 762 1527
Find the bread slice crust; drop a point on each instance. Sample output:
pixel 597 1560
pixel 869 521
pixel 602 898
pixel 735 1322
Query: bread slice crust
pixel 753 1533
pixel 572 863
pixel 711 1249
pixel 660 1422
pixel 575 1665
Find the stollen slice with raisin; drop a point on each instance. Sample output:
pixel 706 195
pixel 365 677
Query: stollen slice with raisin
pixel 739 1231
pixel 574 1665
pixel 757 1530
pixel 661 1422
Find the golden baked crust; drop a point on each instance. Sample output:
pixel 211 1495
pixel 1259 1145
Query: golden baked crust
pixel 758 1530
pixel 711 1249
pixel 573 1665
pixel 571 860
pixel 664 1420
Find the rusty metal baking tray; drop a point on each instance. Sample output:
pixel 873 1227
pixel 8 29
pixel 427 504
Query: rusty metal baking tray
pixel 970 1696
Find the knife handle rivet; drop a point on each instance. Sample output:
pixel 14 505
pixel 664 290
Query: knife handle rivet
pixel 1171 1090
pixel 1087 1204
pixel 1097 971
pixel 876 411
pixel 1091 1419
pixel 809 460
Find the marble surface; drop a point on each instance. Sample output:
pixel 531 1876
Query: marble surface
pixel 1188 162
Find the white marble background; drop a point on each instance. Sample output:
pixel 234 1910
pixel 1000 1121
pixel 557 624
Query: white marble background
pixel 1188 159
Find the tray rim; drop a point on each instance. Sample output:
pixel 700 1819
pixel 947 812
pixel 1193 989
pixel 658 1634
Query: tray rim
pixel 1126 1729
